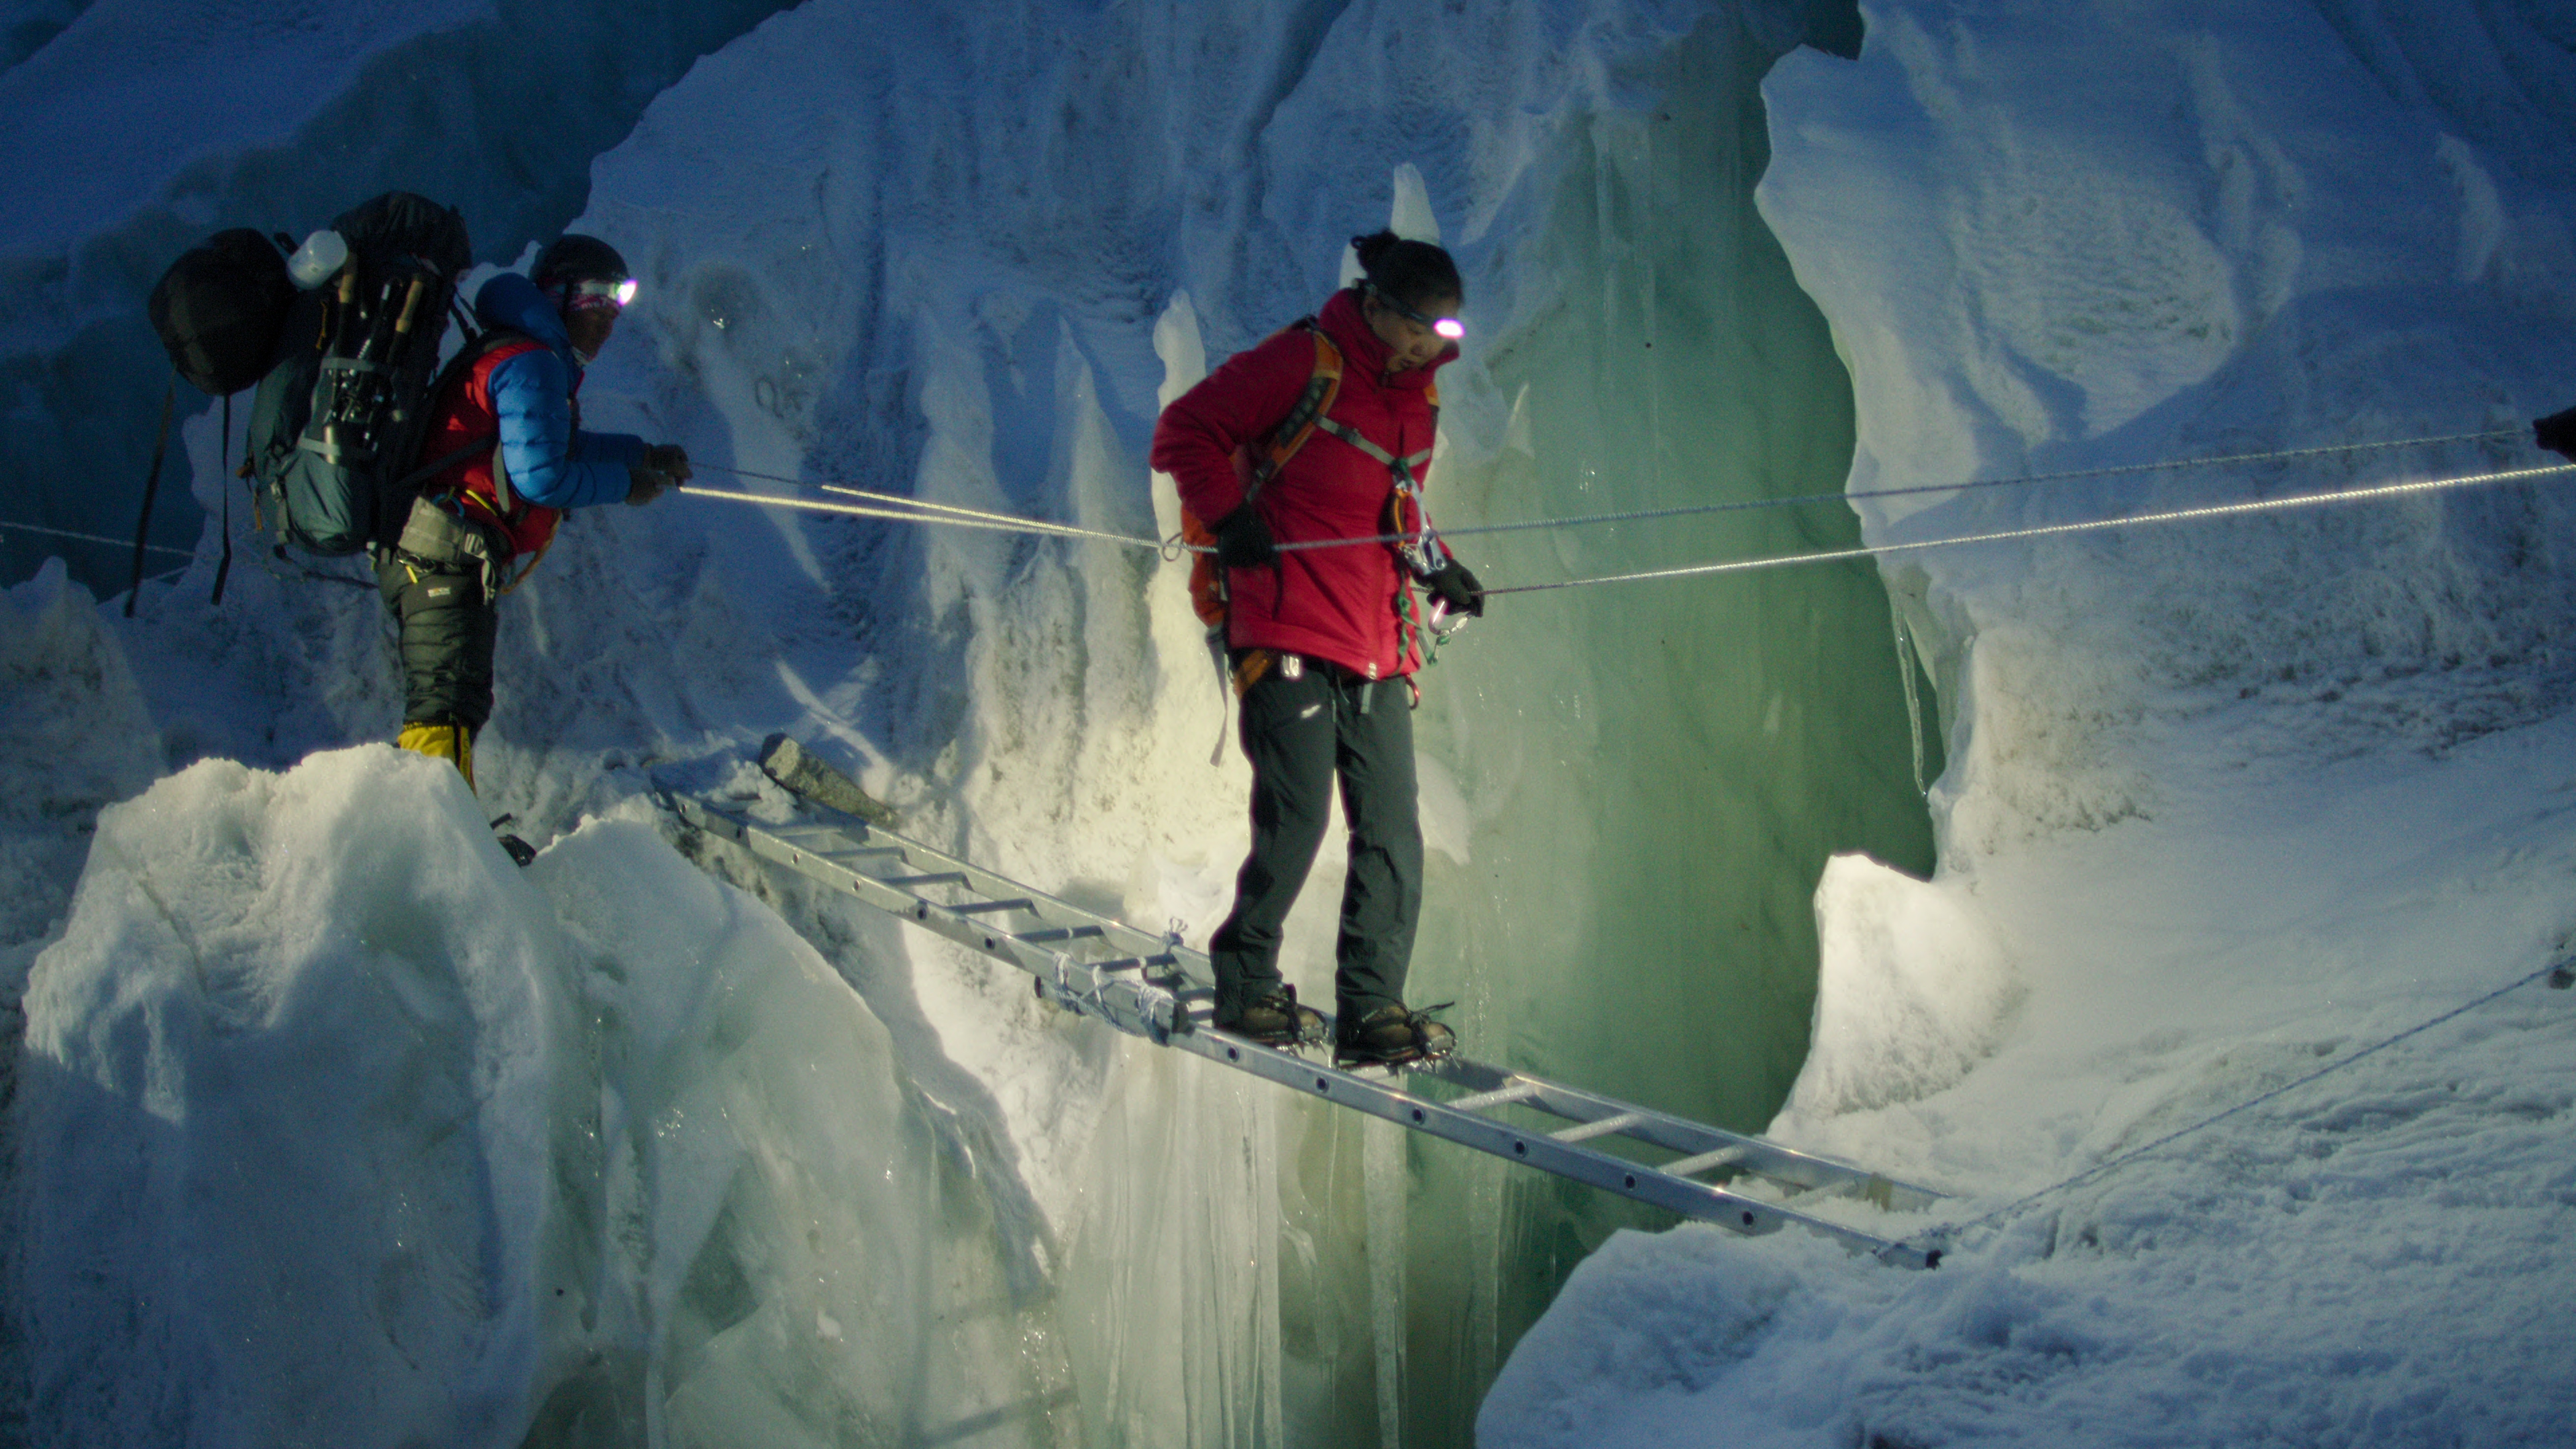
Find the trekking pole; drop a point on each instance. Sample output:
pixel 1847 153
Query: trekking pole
pixel 151 486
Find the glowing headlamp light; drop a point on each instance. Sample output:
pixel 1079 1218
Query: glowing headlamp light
pixel 619 293
pixel 1448 327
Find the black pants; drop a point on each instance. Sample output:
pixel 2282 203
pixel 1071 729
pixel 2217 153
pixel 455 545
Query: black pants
pixel 1301 734
pixel 448 630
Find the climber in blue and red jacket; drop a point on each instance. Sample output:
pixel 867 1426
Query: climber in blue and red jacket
pixel 514 414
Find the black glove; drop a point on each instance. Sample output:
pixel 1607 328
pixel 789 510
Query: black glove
pixel 1243 541
pixel 2557 433
pixel 1454 586
pixel 665 466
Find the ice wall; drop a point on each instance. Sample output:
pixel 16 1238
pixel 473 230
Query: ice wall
pixel 2230 803
pixel 2183 258
pixel 964 252
pixel 930 288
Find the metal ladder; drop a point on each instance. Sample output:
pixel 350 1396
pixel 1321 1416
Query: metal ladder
pixel 1150 985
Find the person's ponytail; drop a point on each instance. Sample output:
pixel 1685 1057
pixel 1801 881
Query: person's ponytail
pixel 1415 274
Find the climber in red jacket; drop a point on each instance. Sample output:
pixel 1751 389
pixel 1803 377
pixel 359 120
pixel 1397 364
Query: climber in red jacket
pixel 1323 641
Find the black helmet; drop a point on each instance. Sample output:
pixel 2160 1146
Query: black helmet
pixel 573 257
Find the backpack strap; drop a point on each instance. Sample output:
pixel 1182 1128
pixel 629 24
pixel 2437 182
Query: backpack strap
pixel 477 347
pixel 1403 468
pixel 1322 386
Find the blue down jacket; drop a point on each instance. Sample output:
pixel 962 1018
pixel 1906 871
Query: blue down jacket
pixel 524 392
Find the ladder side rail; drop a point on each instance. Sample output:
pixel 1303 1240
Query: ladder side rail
pixel 1141 1007
pixel 1764 1158
pixel 1757 1155
pixel 1054 911
pixel 1130 1003
pixel 797 849
pixel 1700 1201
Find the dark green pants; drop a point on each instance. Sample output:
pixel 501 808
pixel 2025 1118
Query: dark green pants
pixel 448 631
pixel 1302 735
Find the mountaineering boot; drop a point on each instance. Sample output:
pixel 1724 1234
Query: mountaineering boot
pixel 1390 1036
pixel 1276 1020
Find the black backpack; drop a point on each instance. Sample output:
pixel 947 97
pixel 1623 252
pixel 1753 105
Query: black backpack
pixel 219 310
pixel 336 428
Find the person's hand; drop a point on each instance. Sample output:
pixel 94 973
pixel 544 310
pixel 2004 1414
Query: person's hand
pixel 1457 588
pixel 1243 541
pixel 665 466
pixel 2557 434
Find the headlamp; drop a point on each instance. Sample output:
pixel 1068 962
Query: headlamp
pixel 619 293
pixel 1448 327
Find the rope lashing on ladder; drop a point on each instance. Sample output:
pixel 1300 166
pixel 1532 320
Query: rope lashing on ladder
pixel 896 508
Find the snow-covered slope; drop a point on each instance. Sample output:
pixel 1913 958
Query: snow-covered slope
pixel 2230 802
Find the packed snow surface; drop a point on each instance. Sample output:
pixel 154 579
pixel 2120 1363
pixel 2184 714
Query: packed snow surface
pixel 2229 804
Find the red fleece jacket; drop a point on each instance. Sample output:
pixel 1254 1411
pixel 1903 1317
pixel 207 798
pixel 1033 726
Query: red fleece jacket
pixel 1341 603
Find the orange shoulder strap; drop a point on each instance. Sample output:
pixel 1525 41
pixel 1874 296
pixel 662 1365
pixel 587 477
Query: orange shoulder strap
pixel 1322 386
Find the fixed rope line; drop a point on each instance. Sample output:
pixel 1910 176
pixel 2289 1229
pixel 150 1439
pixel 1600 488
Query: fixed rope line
pixel 2556 970
pixel 921 506
pixel 997 523
pixel 95 538
pixel 1804 499
pixel 2049 530
pixel 896 508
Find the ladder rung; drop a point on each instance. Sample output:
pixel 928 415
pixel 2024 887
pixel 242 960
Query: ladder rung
pixel 1062 933
pixel 1722 1157
pixel 1159 993
pixel 1616 1122
pixel 1499 1097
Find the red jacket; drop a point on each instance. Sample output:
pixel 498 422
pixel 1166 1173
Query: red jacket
pixel 468 413
pixel 1341 603
pixel 523 394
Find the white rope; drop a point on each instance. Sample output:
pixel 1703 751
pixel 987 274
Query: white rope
pixel 95 538
pixel 1803 499
pixel 1941 1236
pixel 896 508
pixel 999 523
pixel 2173 515
pixel 916 508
